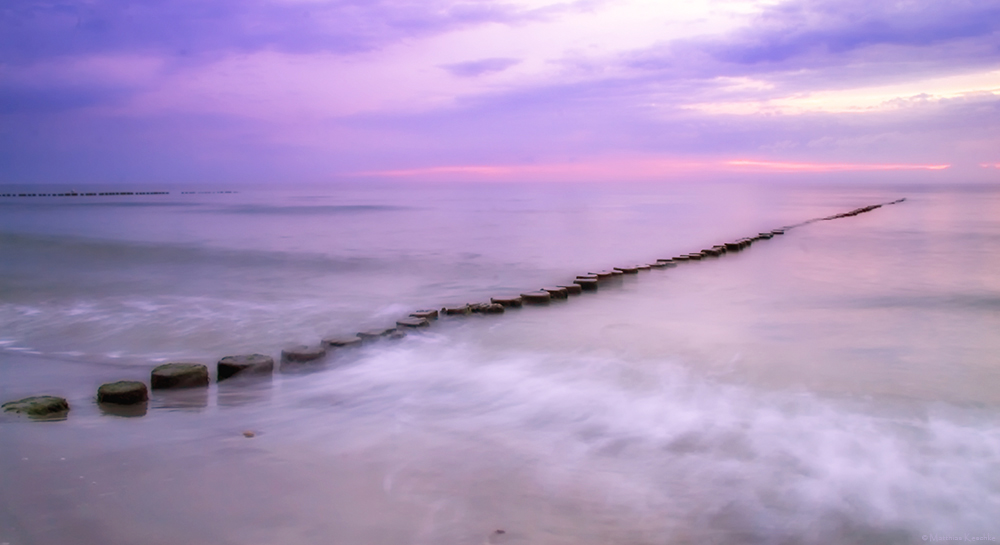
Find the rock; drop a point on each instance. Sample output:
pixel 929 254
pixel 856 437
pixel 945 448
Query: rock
pixel 659 265
pixel 572 289
pixel 694 256
pixel 765 235
pixel 558 292
pixel 777 231
pixel 135 410
pixel 478 307
pixel 425 314
pixel 587 284
pixel 252 364
pixel 588 277
pixel 492 308
pixel 507 301
pixel 721 248
pixel 413 322
pixel 616 273
pixel 374 334
pixel 602 275
pixel 396 335
pixel 38 407
pixel 627 270
pixel 302 354
pixel 341 342
pixel 178 375
pixel 733 246
pixel 536 297
pixel 123 392
pixel 643 267
pixel 456 311
pixel 249 434
pixel 680 258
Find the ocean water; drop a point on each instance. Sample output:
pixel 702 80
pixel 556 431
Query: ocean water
pixel 836 384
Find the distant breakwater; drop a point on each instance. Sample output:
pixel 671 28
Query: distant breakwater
pixel 108 193
pixel 129 398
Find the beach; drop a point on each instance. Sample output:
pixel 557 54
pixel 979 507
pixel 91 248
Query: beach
pixel 834 384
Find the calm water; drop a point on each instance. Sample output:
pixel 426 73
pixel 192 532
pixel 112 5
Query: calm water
pixel 838 384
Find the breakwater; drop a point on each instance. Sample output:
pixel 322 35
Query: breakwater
pixel 108 193
pixel 334 348
pixel 86 194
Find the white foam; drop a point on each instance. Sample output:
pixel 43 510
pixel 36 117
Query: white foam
pixel 649 438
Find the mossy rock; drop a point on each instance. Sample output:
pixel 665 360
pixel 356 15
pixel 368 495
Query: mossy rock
pixel 425 314
pixel 123 392
pixel 48 407
pixel 413 322
pixel 557 292
pixel 506 301
pixel 341 342
pixel 252 364
pixel 302 354
pixel 536 297
pixel 179 375
pixel 586 284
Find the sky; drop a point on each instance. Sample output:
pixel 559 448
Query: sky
pixel 265 91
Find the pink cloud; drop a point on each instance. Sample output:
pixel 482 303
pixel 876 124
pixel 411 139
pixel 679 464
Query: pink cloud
pixel 785 166
pixel 630 168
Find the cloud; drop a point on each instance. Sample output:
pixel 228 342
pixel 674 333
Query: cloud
pixel 473 69
pixel 37 29
pixel 838 42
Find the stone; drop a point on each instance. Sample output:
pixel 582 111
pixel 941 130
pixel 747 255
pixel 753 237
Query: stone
pixel 557 293
pixel 123 392
pixel 572 289
pixel 587 284
pixel 602 275
pixel 396 335
pixel 627 270
pixel 492 308
pixel 694 256
pixel 588 277
pixel 302 354
pixel 341 342
pixel 456 311
pixel 643 267
pixel 251 364
pixel 765 235
pixel 536 297
pixel 777 231
pixel 616 273
pixel 659 265
pixel 374 334
pixel 680 258
pixel 733 246
pixel 507 301
pixel 178 375
pixel 38 407
pixel 425 314
pixel 413 322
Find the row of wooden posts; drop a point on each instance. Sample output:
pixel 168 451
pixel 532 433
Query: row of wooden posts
pixel 194 375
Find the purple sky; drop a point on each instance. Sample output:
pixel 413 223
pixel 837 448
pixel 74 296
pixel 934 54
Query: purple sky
pixel 233 91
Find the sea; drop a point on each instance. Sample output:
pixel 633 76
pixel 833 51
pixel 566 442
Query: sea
pixel 839 383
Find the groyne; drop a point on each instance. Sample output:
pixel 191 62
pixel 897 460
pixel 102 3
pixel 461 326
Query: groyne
pixel 113 397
